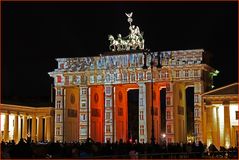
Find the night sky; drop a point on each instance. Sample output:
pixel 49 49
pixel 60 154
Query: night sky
pixel 34 34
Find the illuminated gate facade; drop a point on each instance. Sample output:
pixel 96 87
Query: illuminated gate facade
pixel 91 94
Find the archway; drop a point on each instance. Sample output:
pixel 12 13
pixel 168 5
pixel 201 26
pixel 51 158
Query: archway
pixel 133 114
pixel 190 110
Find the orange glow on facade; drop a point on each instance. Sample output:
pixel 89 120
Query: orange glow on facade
pixel 100 86
pixel 121 114
pixel 97 113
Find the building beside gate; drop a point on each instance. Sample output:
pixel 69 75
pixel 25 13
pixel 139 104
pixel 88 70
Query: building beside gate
pixel 221 116
pixel 36 123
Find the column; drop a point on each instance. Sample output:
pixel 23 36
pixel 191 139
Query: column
pixel 48 128
pixel 24 129
pixel 16 138
pixel 215 130
pixel 33 135
pixel 171 119
pixel 209 125
pixel 59 114
pixel 227 125
pixel 6 127
pixel 39 129
pixel 142 114
pixel 83 113
pixel 109 119
pixel 198 90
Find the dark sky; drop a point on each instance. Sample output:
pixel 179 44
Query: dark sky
pixel 34 34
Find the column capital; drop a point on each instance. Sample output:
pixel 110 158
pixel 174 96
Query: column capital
pixel 16 114
pixel 7 113
pixel 226 102
pixel 208 102
pixel 39 116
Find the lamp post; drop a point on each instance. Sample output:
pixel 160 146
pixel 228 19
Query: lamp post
pixel 147 52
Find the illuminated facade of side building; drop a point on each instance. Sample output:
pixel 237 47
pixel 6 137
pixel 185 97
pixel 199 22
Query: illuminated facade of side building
pixel 221 116
pixel 91 94
pixel 17 121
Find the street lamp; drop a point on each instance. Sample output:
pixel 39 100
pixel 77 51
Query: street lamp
pixel 147 52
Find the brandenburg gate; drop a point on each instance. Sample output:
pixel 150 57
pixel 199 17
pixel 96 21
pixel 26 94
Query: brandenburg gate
pixel 91 92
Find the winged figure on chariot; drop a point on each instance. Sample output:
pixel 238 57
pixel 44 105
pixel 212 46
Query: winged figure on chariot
pixel 133 41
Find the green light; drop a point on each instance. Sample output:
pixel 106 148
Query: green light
pixel 214 73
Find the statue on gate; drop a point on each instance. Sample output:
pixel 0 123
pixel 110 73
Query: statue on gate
pixel 133 41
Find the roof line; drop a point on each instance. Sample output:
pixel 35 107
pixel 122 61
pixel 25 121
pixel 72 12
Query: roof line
pixel 236 83
pixel 16 105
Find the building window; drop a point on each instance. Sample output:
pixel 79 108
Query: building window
pixel 190 73
pixel 186 73
pixel 83 105
pixel 107 115
pixel 58 93
pixel 83 117
pixel 159 74
pixel 141 102
pixel 149 76
pixel 58 118
pixel 168 101
pixel 83 78
pixel 118 77
pixel 83 91
pixel 107 128
pixel 108 103
pixel 99 78
pixel 58 79
pixel 166 74
pixel 108 90
pixel 237 115
pixel 196 113
pixel 196 99
pixel 141 115
pixel 141 76
pixel 115 77
pixel 132 77
pixel 107 78
pixel 177 74
pixel 196 129
pixel 92 78
pixel 195 73
pixel 141 129
pixel 168 87
pixel 168 115
pixel 169 129
pixel 62 66
pixel 67 80
pixel 83 130
pixel 163 75
pixel 58 104
pixel 58 131
pixel 124 77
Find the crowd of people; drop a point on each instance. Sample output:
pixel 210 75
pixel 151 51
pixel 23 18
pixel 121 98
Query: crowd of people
pixel 89 149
